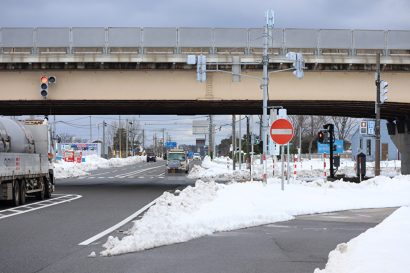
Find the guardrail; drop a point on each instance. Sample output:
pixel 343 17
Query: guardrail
pixel 183 40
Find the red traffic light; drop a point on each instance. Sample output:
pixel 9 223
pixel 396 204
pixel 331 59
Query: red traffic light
pixel 44 79
pixel 321 137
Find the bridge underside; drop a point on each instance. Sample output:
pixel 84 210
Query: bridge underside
pixel 357 109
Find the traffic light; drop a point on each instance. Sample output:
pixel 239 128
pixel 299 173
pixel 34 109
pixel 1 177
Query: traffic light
pixel 256 140
pixel 44 86
pixel 44 83
pixel 298 63
pixel 321 136
pixel 383 91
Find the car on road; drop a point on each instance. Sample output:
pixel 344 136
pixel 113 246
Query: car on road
pixel 196 156
pixel 151 157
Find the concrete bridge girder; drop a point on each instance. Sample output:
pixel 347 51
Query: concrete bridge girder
pixel 182 85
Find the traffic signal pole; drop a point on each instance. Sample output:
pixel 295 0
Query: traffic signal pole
pixel 377 109
pixel 331 143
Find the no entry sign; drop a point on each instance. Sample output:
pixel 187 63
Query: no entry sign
pixel 281 131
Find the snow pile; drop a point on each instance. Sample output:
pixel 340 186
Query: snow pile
pixel 381 249
pixel 210 207
pixel 220 169
pixel 64 169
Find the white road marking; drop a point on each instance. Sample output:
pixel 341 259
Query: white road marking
pixel 136 172
pixel 116 226
pixel 40 204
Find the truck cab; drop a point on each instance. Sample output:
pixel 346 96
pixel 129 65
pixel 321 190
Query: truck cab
pixel 177 161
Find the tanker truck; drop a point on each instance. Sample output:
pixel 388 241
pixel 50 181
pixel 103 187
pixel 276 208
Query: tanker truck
pixel 25 160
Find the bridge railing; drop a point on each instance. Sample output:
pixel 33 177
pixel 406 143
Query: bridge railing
pixel 184 40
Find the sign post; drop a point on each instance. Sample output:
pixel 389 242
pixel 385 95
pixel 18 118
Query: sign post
pixel 281 132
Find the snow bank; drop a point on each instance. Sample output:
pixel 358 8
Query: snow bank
pixel 64 169
pixel 210 207
pixel 219 169
pixel 381 249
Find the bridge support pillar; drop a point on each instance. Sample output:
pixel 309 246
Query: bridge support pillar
pixel 400 136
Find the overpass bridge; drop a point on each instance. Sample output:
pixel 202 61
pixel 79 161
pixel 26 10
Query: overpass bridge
pixel 144 71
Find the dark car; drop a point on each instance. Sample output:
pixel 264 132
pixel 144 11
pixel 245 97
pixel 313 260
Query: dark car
pixel 151 157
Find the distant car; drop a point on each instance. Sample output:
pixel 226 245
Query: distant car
pixel 196 156
pixel 151 157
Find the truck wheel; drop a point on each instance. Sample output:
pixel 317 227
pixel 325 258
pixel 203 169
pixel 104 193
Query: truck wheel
pixel 22 192
pixel 41 194
pixel 47 188
pixel 16 194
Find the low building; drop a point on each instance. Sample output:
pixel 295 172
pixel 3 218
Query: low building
pixel 364 140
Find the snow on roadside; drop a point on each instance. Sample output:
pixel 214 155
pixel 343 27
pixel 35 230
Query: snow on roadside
pixel 381 249
pixel 64 169
pixel 218 170
pixel 209 207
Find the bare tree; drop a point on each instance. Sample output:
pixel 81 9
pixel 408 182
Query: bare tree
pixel 69 138
pixel 343 126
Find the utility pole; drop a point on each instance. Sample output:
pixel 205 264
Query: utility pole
pixel 247 140
pixel 240 142
pixel 300 142
pixel 233 142
pixel 119 133
pixel 252 143
pixel 91 132
pixel 265 82
pixel 163 144
pixel 377 109
pixel 126 138
pixel 103 141
pixel 210 144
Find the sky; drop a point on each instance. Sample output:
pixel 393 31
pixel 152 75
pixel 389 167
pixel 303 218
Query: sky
pixel 337 14
pixel 351 14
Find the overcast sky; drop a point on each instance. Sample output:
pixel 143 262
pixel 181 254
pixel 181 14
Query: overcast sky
pixel 348 14
pixel 352 14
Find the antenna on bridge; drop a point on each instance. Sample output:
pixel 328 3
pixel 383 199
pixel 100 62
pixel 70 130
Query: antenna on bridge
pixel 270 18
pixel 270 21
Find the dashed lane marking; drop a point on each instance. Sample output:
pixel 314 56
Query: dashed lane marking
pixel 62 198
pixel 136 172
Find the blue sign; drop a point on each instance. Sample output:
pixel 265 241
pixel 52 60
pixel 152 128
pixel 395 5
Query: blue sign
pixel 371 124
pixel 323 148
pixel 170 144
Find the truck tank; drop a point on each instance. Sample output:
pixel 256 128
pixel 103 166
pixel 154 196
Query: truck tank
pixel 14 137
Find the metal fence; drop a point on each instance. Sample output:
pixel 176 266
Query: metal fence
pixel 207 40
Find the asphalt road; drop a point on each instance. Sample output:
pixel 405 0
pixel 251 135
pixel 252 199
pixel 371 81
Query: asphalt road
pixel 47 239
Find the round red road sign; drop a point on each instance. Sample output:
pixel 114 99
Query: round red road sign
pixel 281 131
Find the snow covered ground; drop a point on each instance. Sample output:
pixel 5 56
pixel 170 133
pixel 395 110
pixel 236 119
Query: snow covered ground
pixel 210 207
